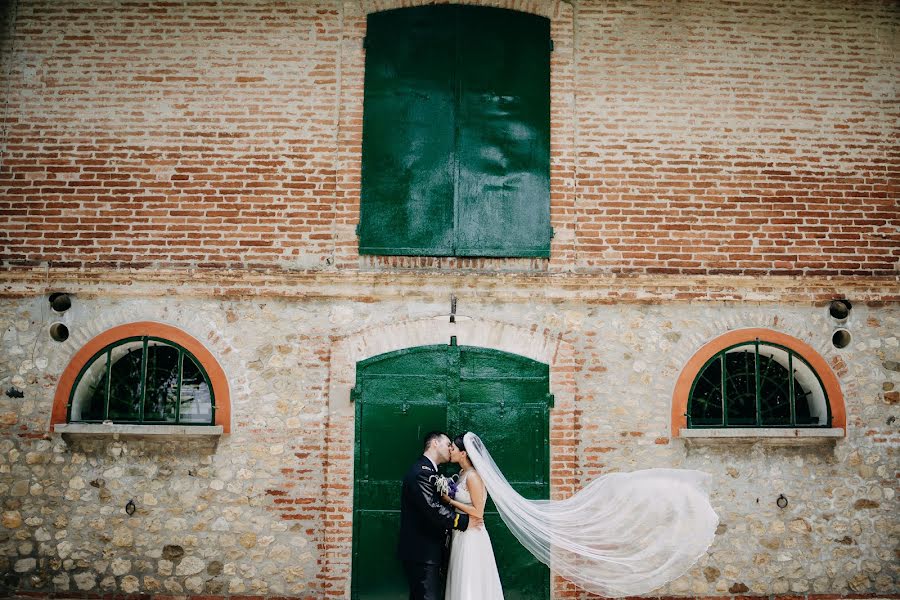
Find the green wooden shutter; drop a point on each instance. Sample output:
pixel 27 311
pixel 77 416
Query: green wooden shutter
pixel 456 133
pixel 503 192
pixel 408 165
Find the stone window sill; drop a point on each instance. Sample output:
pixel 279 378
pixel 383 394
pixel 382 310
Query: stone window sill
pixel 787 436
pixel 115 431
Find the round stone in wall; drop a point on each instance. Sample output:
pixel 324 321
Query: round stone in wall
pixel 189 566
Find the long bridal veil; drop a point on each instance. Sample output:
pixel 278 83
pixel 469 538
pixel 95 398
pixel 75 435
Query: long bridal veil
pixel 623 534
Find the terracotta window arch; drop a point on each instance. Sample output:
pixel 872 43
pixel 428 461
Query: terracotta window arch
pixel 757 378
pixel 147 373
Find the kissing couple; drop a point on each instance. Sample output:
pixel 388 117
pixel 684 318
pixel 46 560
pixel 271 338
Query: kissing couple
pixel 426 519
pixel 622 534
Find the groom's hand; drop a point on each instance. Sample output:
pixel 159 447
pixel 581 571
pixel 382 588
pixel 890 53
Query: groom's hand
pixel 476 522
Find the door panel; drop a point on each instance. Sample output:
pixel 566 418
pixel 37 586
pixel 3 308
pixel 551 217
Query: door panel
pixel 504 399
pixel 523 578
pixel 401 396
pixel 395 431
pixel 381 579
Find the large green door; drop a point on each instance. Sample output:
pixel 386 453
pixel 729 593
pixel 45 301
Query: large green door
pixel 399 397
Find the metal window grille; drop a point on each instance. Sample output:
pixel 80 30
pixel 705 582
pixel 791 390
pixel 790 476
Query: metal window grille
pixel 142 380
pixel 756 384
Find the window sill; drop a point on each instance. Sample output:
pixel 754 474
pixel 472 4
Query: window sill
pixel 115 431
pixel 763 434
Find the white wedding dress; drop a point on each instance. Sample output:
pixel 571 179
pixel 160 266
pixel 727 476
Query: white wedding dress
pixel 472 572
pixel 622 534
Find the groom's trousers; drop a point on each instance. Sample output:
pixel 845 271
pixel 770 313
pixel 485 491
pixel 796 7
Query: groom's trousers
pixel 424 580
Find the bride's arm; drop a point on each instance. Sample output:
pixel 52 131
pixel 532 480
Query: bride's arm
pixel 476 490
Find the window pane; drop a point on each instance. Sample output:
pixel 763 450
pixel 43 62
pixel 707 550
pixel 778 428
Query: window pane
pixel 196 401
pixel 162 382
pixel 740 386
pixel 772 369
pixel 125 382
pixel 89 400
pixel 809 396
pixel 706 401
pixel 774 389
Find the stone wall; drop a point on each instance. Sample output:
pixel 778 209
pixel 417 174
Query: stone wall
pixel 254 514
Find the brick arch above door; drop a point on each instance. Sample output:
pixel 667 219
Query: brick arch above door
pixel 541 345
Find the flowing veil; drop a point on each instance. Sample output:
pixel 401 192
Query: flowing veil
pixel 623 534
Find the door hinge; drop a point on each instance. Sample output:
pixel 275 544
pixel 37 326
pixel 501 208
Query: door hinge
pixel 551 46
pixel 552 233
pixel 551 401
pixel 452 340
pixel 357 229
pixel 354 395
pixel 366 42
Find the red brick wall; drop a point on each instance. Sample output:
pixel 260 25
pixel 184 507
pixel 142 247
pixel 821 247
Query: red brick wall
pixel 740 137
pixel 171 134
pixel 691 137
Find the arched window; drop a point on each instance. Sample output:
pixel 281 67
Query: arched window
pixel 758 380
pixel 143 380
pixel 757 384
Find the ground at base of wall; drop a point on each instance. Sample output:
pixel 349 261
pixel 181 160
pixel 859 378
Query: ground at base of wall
pixel 71 596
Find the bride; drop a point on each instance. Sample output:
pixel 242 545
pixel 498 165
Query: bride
pixel 472 572
pixel 623 534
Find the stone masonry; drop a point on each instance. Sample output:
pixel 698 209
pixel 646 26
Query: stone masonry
pixel 248 515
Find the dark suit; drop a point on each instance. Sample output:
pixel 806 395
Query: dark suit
pixel 424 525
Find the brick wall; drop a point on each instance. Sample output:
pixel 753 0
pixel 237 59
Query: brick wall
pixel 171 134
pixel 746 137
pixel 692 137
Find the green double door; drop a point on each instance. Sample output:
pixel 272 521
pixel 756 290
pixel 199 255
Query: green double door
pixel 401 396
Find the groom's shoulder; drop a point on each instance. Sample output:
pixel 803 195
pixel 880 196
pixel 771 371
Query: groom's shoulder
pixel 421 466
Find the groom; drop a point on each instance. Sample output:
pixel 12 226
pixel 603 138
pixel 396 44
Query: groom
pixel 425 522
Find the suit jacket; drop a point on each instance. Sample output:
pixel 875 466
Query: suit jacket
pixel 424 519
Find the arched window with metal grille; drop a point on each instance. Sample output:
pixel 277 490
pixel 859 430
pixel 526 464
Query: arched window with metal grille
pixel 143 380
pixel 757 384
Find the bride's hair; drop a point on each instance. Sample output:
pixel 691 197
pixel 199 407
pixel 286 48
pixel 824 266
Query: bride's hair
pixel 460 443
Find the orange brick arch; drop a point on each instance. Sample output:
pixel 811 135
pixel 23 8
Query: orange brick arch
pixel 820 366
pixel 216 375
